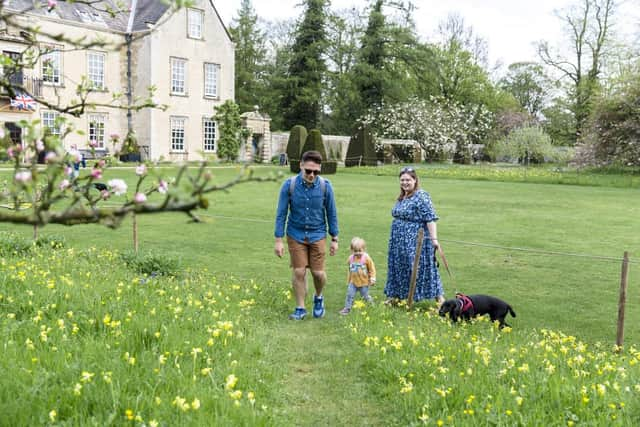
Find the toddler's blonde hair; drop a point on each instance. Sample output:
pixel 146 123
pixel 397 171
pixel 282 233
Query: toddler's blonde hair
pixel 358 244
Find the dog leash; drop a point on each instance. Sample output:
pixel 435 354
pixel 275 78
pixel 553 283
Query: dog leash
pixel 446 265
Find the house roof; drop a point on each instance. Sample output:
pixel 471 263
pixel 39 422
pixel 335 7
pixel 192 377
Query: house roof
pixel 98 13
pixel 148 12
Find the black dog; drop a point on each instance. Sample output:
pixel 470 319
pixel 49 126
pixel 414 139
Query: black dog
pixel 465 307
pixel 100 186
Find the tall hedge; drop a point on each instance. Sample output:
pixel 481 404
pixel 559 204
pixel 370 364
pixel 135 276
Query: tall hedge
pixel 314 142
pixel 297 138
pixel 362 149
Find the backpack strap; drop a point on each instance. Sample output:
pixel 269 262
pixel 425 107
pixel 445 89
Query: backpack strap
pixel 321 181
pixel 292 186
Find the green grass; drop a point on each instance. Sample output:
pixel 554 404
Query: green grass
pixel 543 174
pixel 323 370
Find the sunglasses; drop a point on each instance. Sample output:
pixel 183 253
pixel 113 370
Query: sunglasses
pixel 407 169
pixel 312 172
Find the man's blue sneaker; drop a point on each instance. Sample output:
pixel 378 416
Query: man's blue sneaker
pixel 298 314
pixel 318 306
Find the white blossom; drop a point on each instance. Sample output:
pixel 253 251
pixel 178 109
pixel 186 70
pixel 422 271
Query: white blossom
pixel 118 186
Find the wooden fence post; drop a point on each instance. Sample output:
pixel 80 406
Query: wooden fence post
pixel 416 266
pixel 623 300
pixel 135 233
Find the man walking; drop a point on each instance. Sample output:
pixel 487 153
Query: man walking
pixel 306 204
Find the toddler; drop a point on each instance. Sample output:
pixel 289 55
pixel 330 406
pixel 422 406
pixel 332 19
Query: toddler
pixel 362 274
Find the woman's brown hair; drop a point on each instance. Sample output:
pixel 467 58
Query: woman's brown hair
pixel 411 172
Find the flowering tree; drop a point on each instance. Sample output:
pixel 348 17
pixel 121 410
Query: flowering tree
pixel 441 127
pixel 55 193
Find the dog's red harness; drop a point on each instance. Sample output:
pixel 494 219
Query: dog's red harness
pixel 465 301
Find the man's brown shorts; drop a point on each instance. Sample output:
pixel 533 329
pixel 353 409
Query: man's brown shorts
pixel 306 254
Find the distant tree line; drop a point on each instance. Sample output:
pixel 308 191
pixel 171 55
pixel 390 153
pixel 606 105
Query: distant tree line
pixel 338 70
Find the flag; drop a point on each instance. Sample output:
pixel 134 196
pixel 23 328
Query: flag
pixel 23 101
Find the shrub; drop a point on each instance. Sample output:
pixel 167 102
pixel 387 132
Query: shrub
pixel 152 263
pixel 329 167
pixel 232 134
pixel 297 137
pixel 314 143
pixel 529 144
pixel 615 128
pixel 362 149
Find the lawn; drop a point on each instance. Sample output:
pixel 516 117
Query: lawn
pixel 323 370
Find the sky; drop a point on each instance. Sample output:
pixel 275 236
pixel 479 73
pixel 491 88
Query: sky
pixel 511 27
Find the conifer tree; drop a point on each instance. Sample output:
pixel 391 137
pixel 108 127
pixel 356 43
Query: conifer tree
pixel 302 97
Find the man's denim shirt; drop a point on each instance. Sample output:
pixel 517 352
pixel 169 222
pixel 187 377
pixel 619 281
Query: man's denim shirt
pixel 310 211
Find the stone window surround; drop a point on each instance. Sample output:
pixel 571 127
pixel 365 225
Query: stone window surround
pixel 182 122
pixel 174 60
pixel 54 49
pixel 104 68
pixel 49 118
pixel 103 117
pixel 205 121
pixel 216 83
pixel 200 12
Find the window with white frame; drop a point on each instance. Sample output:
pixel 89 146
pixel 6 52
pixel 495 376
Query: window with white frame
pixel 211 80
pixel 49 121
pixel 95 69
pixel 96 129
pixel 178 76
pixel 177 133
pixel 209 134
pixel 51 65
pixel 195 19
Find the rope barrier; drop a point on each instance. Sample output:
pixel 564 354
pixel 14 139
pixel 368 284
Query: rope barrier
pixel 485 245
pixel 459 242
pixel 538 251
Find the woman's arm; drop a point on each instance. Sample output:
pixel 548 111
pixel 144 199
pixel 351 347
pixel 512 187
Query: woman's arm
pixel 433 233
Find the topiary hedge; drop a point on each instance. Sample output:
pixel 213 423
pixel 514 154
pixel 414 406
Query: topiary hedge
pixel 314 143
pixel 297 137
pixel 329 167
pixel 362 149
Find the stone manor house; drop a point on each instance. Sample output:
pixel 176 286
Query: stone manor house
pixel 186 54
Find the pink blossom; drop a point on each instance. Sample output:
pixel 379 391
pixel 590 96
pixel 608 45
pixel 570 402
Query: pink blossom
pixel 51 157
pixel 141 170
pixel 163 186
pixel 64 184
pixel 105 194
pixel 118 186
pixel 96 173
pixel 52 3
pixel 10 153
pixel 114 136
pixel 68 170
pixel 23 176
pixel 140 198
pixel 93 143
pixel 39 145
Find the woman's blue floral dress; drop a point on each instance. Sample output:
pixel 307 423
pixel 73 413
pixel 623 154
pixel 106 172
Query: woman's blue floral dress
pixel 408 216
